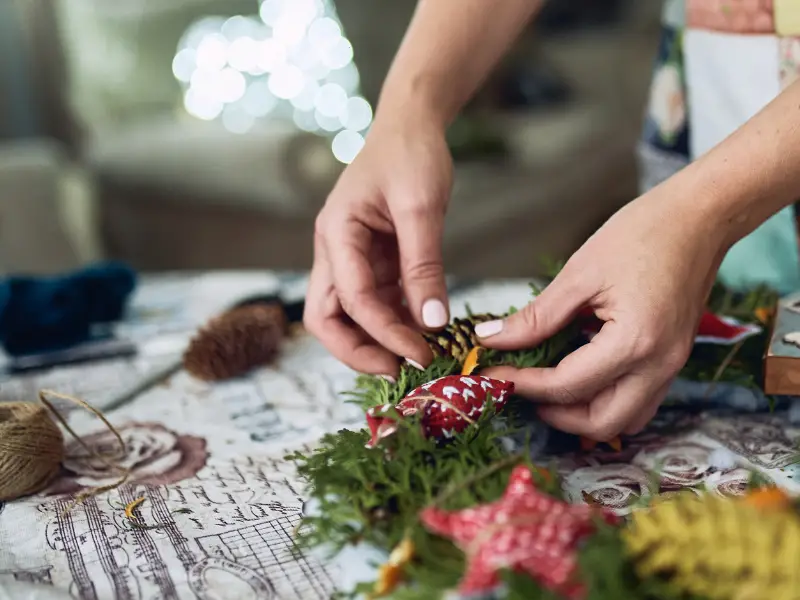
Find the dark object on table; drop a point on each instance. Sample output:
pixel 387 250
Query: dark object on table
pixel 104 348
pixel 236 342
pixel 41 314
pixel 292 310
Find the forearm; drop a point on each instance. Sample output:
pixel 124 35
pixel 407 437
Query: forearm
pixel 448 50
pixel 755 172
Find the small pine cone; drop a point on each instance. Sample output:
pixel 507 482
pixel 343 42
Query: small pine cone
pixel 236 342
pixel 458 338
pixel 717 548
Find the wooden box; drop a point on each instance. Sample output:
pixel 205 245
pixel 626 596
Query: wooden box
pixel 782 360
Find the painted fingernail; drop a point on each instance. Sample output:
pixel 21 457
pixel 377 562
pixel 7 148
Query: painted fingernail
pixel 434 314
pixel 388 378
pixel 415 364
pixel 488 329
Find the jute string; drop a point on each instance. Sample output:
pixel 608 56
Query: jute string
pixel 32 447
pixel 450 405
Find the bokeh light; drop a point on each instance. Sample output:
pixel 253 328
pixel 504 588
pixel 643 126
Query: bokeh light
pixel 346 145
pixel 291 61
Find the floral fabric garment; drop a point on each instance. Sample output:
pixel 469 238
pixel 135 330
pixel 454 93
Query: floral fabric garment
pixel 719 63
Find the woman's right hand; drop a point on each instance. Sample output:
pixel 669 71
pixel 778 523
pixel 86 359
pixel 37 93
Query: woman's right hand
pixel 377 277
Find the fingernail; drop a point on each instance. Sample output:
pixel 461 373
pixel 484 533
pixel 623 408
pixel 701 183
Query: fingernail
pixel 488 329
pixel 388 378
pixel 415 364
pixel 434 314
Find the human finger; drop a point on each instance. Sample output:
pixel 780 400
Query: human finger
pixel 324 318
pixel 419 239
pixel 648 412
pixel 608 414
pixel 542 318
pixel 581 375
pixel 356 287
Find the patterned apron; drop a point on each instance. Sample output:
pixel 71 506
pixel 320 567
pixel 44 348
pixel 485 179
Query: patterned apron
pixel 719 63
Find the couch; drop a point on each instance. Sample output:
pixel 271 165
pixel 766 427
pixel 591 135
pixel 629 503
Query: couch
pixel 163 191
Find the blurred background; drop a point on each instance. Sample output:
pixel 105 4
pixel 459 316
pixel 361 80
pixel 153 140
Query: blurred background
pixel 196 134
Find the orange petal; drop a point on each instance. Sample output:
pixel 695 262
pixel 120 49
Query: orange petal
pixel 471 362
pixel 769 498
pixel 764 314
pixel 391 574
pixel 616 444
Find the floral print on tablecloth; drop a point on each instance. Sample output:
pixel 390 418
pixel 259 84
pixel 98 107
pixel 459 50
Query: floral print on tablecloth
pixel 154 454
pixel 658 462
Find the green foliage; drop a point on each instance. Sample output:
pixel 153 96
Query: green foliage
pixel 374 496
pixel 386 487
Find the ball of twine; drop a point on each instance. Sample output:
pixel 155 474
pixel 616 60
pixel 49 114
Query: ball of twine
pixel 31 449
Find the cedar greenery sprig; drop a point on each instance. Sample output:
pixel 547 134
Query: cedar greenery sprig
pixel 374 496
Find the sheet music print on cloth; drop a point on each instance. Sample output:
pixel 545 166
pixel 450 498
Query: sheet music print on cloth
pixel 226 534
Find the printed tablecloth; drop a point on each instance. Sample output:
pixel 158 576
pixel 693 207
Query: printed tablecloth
pixel 221 505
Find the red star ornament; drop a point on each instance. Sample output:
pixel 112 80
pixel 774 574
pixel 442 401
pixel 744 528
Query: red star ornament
pixel 447 405
pixel 526 531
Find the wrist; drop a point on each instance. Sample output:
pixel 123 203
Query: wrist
pixel 409 112
pixel 415 103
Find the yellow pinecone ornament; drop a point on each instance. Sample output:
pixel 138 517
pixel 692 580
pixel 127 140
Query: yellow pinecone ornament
pixel 458 338
pixel 718 548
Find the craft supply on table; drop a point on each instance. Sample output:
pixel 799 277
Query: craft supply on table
pixel 107 348
pixel 720 549
pixel 31 449
pixel 526 530
pixel 444 406
pixel 236 342
pixel 782 359
pixel 32 446
pixel 40 314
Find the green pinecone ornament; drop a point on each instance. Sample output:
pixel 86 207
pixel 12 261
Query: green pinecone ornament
pixel 458 338
pixel 718 548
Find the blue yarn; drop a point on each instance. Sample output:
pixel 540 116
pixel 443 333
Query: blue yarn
pixel 40 314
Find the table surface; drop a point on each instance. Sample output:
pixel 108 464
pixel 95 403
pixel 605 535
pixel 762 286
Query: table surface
pixel 208 461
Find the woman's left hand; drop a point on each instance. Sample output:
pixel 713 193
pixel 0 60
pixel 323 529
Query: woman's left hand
pixel 646 274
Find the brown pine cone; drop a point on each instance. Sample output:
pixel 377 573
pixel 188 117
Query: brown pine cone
pixel 458 338
pixel 236 342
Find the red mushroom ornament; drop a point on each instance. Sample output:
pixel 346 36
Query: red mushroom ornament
pixel 446 406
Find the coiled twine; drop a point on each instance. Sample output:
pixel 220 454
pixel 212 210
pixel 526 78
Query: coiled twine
pixel 31 449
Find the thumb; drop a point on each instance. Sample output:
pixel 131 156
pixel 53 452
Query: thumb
pixel 419 239
pixel 542 318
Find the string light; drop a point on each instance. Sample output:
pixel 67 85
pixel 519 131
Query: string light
pixel 291 62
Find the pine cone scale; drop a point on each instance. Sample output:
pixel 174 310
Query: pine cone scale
pixel 458 338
